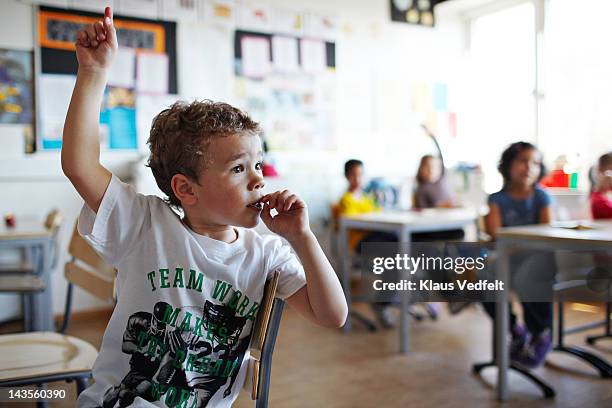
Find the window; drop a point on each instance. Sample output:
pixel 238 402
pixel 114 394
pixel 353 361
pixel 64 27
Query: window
pixel 499 102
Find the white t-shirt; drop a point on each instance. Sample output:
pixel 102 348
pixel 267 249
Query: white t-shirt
pixel 186 304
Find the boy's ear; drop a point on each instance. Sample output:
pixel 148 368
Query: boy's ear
pixel 182 187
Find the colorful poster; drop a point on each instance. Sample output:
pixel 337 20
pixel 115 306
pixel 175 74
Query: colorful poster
pixel 59 30
pixel 16 102
pixel 220 12
pixel 118 119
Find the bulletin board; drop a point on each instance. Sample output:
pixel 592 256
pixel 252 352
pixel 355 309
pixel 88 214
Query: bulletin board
pixel 288 83
pixel 145 65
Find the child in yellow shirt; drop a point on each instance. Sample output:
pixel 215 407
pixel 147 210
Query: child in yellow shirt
pixel 357 201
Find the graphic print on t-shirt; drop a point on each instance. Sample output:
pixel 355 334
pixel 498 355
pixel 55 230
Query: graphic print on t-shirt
pixel 183 355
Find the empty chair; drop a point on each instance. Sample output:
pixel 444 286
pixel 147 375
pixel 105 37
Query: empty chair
pixel 20 277
pixel 58 357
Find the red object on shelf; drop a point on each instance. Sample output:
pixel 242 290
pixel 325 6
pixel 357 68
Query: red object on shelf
pixel 9 220
pixel 556 178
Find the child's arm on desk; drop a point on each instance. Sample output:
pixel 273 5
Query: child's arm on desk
pixel 95 47
pixel 322 299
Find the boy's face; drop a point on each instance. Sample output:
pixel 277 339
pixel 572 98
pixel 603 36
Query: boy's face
pixel 355 177
pixel 526 167
pixel 230 183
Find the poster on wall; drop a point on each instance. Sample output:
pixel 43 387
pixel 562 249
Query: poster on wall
pixel 294 96
pixel 145 64
pixel 118 119
pixel 55 93
pixel 220 13
pixel 16 102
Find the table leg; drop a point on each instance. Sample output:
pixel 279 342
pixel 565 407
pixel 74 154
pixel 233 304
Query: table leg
pixel 404 241
pixel 42 302
pixel 501 324
pixel 345 277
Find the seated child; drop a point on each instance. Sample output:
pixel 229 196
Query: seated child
pixel 432 191
pixel 601 197
pixel 356 201
pixel 188 288
pixel 522 202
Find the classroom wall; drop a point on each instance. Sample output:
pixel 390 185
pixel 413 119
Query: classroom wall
pixel 372 54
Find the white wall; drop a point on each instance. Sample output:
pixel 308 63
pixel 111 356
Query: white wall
pixel 372 53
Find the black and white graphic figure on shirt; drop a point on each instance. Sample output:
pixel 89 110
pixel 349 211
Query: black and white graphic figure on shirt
pixel 145 338
pixel 202 358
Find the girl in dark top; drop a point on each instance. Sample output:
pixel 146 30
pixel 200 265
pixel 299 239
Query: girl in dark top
pixel 433 191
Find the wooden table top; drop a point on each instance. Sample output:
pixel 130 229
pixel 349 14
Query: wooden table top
pixel 24 228
pixel 426 216
pixel 579 232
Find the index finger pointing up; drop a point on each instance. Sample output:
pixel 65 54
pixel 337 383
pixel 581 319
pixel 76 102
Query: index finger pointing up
pixel 108 12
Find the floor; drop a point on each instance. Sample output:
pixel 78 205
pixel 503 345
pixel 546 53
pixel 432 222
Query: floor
pixel 316 367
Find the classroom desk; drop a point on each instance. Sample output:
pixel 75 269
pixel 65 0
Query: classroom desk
pixel 32 235
pixel 535 237
pixel 403 223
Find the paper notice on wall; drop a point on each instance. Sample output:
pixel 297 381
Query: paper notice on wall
pixel 255 17
pixel 138 8
pixel 321 26
pixel 440 97
pixel 55 94
pixel 121 72
pixel 183 10
pixel 255 56
pixel 219 12
pixel 313 56
pixel 152 73
pixel 147 107
pixel 286 21
pixel 285 54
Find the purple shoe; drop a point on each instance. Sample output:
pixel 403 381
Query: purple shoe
pixel 520 338
pixel 535 354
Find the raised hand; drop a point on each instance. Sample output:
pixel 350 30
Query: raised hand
pixel 291 222
pixel 96 44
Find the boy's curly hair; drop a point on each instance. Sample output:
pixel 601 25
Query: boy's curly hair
pixel 180 136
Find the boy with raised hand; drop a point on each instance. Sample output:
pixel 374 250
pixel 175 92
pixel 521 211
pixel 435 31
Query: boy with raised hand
pixel 187 288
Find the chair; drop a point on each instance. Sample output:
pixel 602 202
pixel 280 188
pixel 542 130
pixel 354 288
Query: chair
pixel 355 262
pixel 37 358
pixel 334 225
pixel 603 367
pixel 20 277
pixel 262 343
pixel 260 387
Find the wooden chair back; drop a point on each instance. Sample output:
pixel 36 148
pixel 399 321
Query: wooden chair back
pixel 88 270
pixel 54 220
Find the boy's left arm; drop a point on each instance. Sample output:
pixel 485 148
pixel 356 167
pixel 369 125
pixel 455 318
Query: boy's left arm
pixel 322 299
